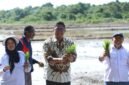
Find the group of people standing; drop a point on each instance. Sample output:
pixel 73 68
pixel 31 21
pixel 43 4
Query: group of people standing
pixel 16 64
pixel 18 58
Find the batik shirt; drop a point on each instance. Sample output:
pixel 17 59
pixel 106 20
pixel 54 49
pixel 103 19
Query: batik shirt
pixel 58 72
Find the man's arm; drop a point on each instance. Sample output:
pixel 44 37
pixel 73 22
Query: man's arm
pixel 34 61
pixel 50 56
pixel 128 58
pixel 51 60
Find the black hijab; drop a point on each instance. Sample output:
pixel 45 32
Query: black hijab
pixel 13 55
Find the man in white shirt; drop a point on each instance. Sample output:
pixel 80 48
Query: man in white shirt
pixel 116 62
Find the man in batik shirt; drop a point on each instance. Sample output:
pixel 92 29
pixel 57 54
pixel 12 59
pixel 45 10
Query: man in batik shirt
pixel 58 61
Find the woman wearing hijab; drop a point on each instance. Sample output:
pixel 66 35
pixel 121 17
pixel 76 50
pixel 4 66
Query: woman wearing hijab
pixel 12 64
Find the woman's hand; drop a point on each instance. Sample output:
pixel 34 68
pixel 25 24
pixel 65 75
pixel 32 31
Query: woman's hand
pixel 6 68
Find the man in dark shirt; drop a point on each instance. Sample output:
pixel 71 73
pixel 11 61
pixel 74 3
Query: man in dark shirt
pixel 25 46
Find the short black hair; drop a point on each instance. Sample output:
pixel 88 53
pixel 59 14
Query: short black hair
pixel 28 28
pixel 60 23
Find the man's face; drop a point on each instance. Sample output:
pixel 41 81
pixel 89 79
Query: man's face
pixel 59 32
pixel 30 34
pixel 118 40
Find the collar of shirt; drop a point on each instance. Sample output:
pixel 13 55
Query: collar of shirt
pixel 55 40
pixel 59 45
pixel 26 38
pixel 113 47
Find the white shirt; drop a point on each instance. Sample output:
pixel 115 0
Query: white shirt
pixel 117 66
pixel 17 77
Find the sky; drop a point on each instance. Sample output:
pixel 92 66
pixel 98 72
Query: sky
pixel 10 4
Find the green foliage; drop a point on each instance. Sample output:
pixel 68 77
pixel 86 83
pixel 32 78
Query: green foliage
pixel 80 13
pixel 106 45
pixel 27 55
pixel 49 5
pixel 71 49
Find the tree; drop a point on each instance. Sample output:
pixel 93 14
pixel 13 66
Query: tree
pixel 48 16
pixel 48 5
pixel 80 12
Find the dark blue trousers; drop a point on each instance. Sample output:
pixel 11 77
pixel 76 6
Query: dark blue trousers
pixel 116 83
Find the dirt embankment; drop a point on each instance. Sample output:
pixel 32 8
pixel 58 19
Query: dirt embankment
pixel 82 31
